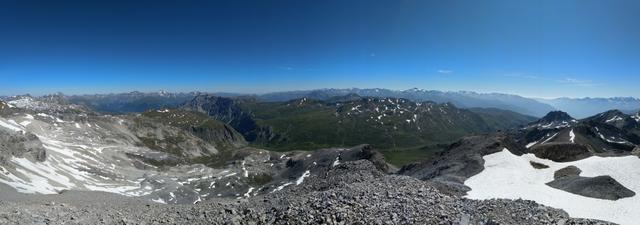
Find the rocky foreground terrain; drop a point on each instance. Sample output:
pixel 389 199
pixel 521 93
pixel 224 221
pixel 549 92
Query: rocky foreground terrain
pixel 349 193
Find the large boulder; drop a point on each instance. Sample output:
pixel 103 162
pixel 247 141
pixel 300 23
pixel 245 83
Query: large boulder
pixel 603 187
pixel 23 145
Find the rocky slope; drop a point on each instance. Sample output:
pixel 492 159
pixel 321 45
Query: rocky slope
pixel 348 193
pixel 169 156
pixel 461 160
pixel 611 132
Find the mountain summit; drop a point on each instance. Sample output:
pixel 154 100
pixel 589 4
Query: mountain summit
pixel 555 116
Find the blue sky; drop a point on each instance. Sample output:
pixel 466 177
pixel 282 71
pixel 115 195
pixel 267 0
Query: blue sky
pixel 532 48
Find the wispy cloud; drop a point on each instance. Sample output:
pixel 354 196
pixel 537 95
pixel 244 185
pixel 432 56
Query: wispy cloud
pixel 578 82
pixel 445 71
pixel 286 68
pixel 523 76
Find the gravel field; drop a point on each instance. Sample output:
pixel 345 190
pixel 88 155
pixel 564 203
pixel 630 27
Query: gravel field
pixel 349 193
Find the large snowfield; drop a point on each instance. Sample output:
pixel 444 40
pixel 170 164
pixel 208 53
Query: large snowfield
pixel 511 177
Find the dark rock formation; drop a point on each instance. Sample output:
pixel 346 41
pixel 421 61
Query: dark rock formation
pixel 538 165
pixel 561 152
pixel 603 187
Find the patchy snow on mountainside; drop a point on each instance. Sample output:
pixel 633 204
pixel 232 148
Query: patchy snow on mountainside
pixel 613 119
pixel 512 177
pixel 93 154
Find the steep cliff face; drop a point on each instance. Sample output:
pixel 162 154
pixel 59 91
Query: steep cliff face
pixel 226 110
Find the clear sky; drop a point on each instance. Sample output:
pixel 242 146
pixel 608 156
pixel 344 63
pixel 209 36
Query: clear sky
pixel 536 48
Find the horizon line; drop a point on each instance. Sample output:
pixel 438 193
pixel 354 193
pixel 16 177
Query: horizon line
pixel 241 93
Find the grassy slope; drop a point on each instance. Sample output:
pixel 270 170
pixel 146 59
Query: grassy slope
pixel 315 125
pixel 502 119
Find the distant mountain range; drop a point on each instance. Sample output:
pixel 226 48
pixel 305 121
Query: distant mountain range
pixel 462 99
pixel 386 123
pixel 584 107
pixel 576 107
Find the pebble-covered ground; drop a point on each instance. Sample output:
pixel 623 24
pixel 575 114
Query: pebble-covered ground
pixel 348 193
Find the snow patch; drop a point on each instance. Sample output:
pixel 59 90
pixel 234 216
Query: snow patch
pixel 25 123
pixel 248 194
pixel 10 126
pixel 613 119
pixel 304 175
pixel 279 188
pixel 245 172
pixel 510 176
pixel 337 162
pixel 159 200
pixel 572 136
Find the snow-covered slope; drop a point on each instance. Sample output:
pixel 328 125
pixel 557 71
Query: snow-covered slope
pixel 57 146
pixel 512 177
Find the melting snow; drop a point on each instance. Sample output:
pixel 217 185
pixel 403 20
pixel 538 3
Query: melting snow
pixel 10 126
pixel 245 173
pixel 337 162
pixel 248 194
pixel 279 188
pixel 159 200
pixel 510 176
pixel 615 118
pixel 531 144
pixel 572 136
pixel 25 123
pixel 304 175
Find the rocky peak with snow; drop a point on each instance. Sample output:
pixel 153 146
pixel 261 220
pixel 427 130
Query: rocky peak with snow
pixel 50 103
pixel 617 119
pixel 554 120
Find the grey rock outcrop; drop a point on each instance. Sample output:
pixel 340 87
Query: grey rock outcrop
pixel 17 144
pixel 603 187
